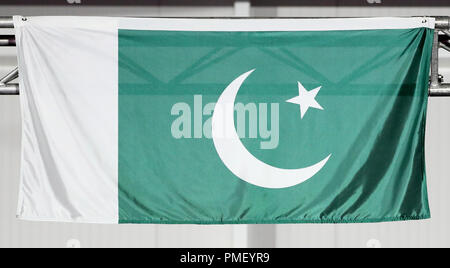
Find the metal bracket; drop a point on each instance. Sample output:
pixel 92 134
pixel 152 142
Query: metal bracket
pixel 436 89
pixel 9 89
pixel 5 87
pixel 441 40
pixel 10 76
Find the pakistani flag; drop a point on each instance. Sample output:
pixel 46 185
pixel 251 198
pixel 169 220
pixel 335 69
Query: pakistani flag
pixel 223 121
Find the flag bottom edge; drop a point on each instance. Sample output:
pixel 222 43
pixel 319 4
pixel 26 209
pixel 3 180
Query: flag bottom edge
pixel 223 222
pixel 66 220
pixel 301 221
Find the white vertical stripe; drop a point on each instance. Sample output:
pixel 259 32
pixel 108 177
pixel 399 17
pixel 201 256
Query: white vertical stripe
pixel 69 98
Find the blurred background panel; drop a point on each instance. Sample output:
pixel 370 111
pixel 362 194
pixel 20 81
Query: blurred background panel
pixel 427 233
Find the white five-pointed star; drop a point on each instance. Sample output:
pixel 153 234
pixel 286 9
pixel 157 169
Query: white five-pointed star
pixel 306 99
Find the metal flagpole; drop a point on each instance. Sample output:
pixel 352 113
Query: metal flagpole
pixel 6 22
pixel 436 89
pixel 7 40
pixel 10 89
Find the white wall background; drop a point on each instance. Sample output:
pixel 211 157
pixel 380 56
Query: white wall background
pixel 428 233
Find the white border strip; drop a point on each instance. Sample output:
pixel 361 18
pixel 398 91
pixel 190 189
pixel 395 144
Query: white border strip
pixel 266 25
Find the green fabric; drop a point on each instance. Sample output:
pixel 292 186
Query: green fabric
pixel 373 91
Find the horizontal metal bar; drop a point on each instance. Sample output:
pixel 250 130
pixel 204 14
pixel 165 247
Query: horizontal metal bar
pixel 6 22
pixel 441 90
pixel 6 43
pixel 442 23
pixel 9 89
pixel 7 40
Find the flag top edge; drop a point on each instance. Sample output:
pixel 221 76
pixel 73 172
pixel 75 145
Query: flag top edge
pixel 279 24
pixel 231 24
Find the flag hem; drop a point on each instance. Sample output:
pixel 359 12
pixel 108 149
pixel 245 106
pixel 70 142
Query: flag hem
pixel 61 220
pixel 267 25
pixel 218 222
pixel 301 221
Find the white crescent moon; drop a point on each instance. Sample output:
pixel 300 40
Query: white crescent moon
pixel 240 161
